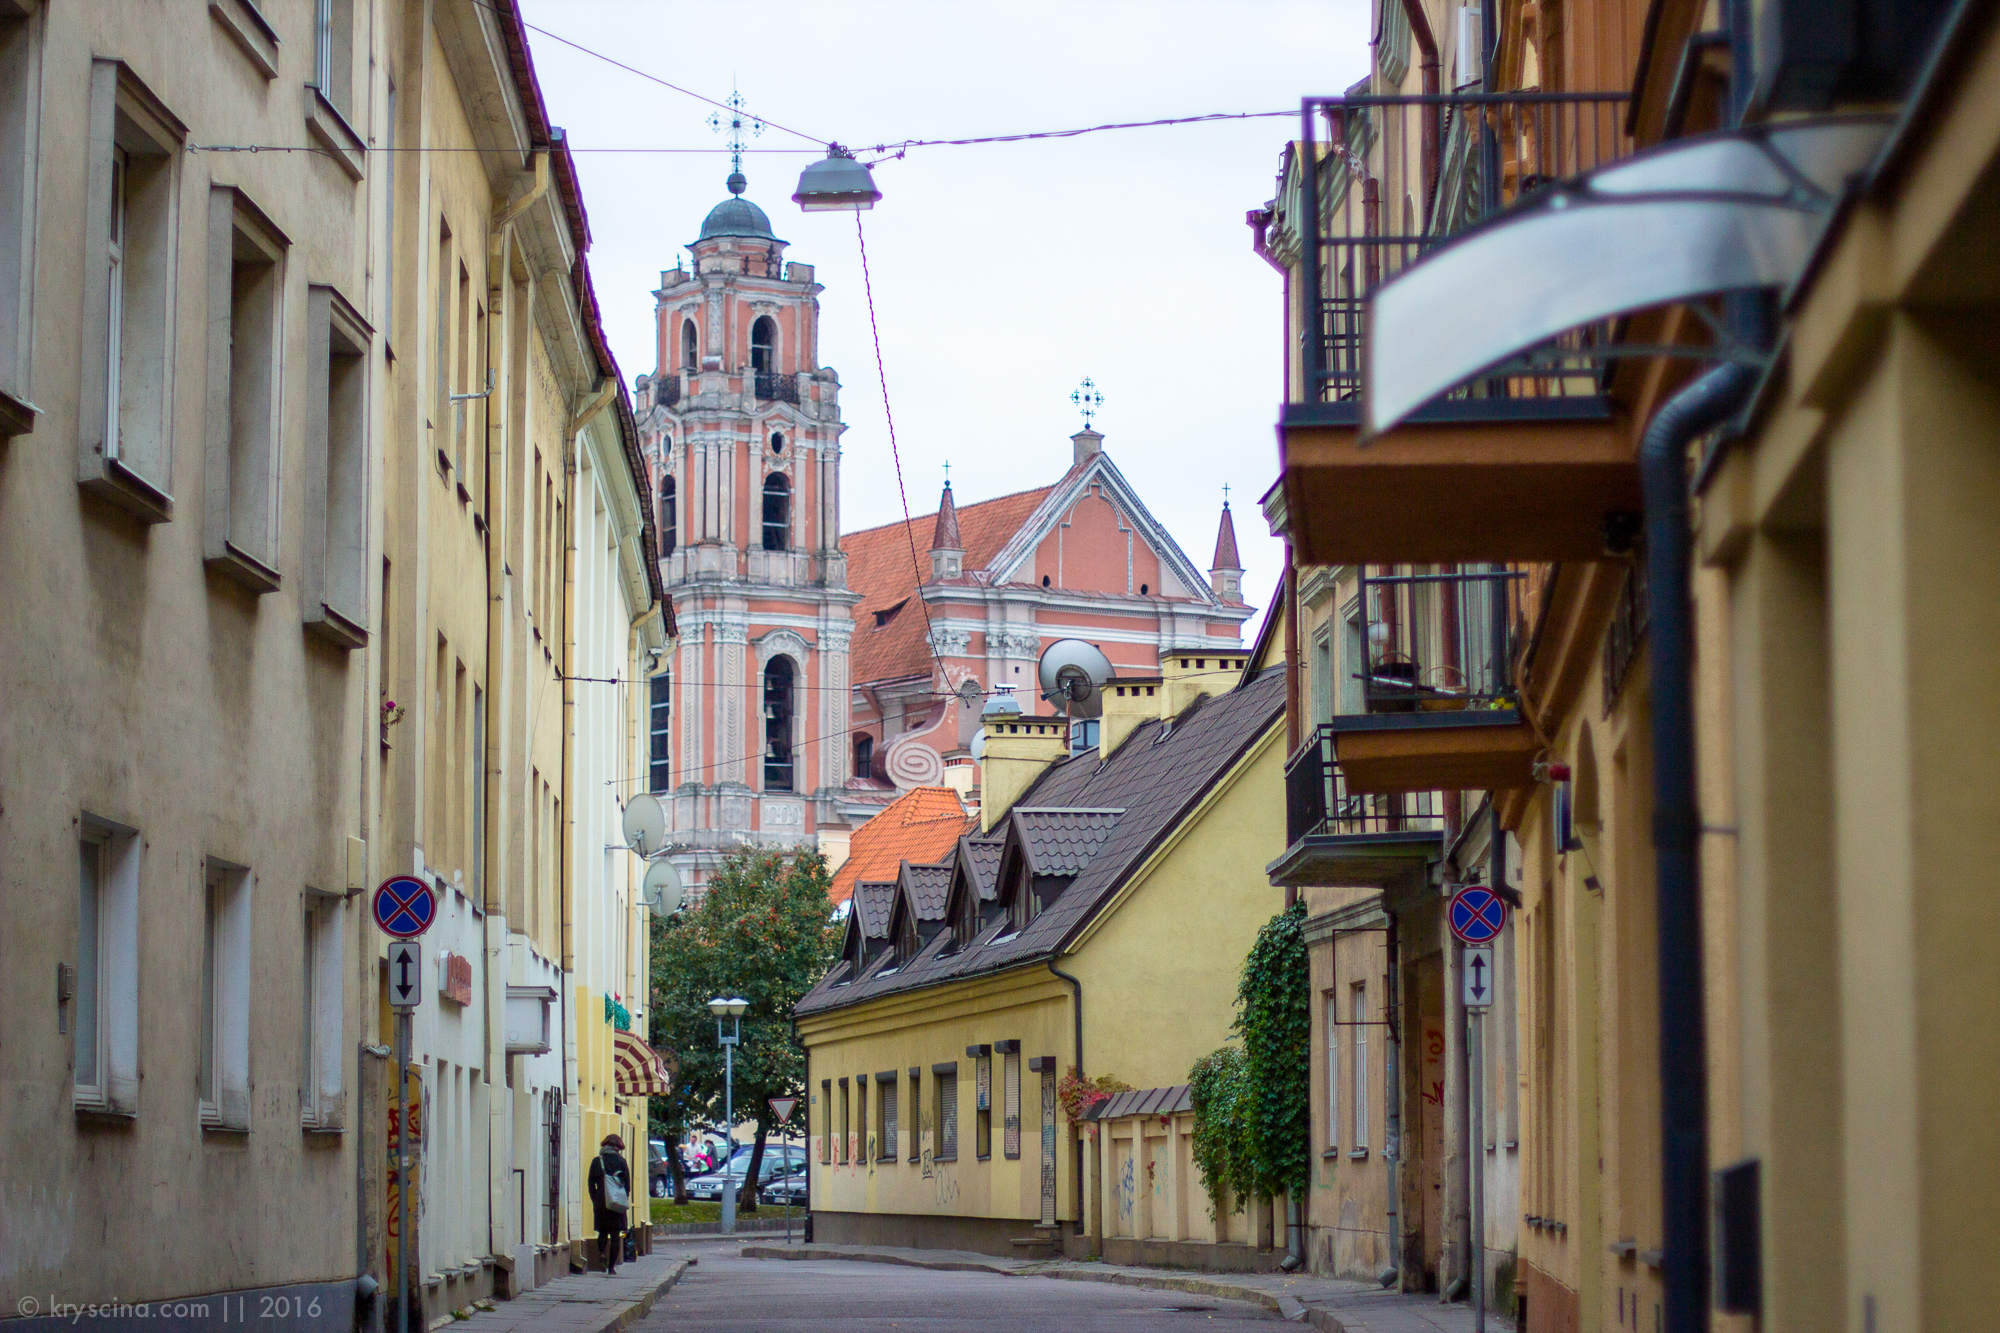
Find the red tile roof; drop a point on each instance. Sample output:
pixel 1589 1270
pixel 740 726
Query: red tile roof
pixel 881 568
pixel 922 826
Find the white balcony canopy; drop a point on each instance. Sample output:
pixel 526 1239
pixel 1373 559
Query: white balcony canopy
pixel 1729 211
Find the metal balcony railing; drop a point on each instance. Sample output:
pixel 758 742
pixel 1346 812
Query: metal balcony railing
pixel 1438 642
pixel 775 388
pixel 668 389
pixel 1317 800
pixel 1401 175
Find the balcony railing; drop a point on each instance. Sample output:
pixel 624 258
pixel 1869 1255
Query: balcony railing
pixel 775 388
pixel 668 389
pixel 1317 800
pixel 1404 174
pixel 1437 642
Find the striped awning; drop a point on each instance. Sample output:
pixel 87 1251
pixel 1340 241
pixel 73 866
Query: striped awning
pixel 641 1070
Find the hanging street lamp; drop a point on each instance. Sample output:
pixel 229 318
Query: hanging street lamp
pixel 836 183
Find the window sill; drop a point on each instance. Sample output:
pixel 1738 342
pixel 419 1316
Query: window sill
pixel 239 566
pixel 336 629
pixel 1329 1154
pixel 1357 1154
pixel 325 123
pixel 92 1111
pixel 121 486
pixel 16 416
pixel 251 32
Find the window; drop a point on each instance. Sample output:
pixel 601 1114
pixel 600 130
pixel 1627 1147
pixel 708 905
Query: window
pixel 669 518
pixel 125 413
pixel 983 1107
pixel 1332 1011
pixel 222 1083
pixel 1360 1079
pixel 104 999
pixel 777 442
pixel 1322 677
pixel 862 1151
pixel 916 1109
pixel 1010 1107
pixel 1353 664
pixel 322 1092
pixel 777 512
pixel 441 409
pixel 246 283
pixel 778 725
pixel 334 578
pixel 947 1112
pixel 690 346
pixel 826 1121
pixel 885 1100
pixel 846 1123
pixel 661 709
pixel 864 755
pixel 20 100
pixel 333 52
pixel 763 344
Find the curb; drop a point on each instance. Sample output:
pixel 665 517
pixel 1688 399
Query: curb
pixel 1285 1306
pixel 744 1226
pixel 633 1311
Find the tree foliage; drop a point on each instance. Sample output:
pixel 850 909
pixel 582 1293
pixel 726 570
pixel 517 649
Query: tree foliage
pixel 763 931
pixel 1253 1104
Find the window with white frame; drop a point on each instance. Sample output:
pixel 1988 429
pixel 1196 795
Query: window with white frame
pixel 125 411
pixel 334 573
pixel 240 486
pixel 103 985
pixel 1331 1008
pixel 222 1078
pixel 20 102
pixel 1359 1081
pixel 333 52
pixel 322 1086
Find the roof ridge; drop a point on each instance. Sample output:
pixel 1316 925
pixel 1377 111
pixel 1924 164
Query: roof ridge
pixel 973 504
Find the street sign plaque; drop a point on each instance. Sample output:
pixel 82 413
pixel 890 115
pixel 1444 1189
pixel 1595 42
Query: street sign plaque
pixel 406 974
pixel 782 1107
pixel 405 906
pixel 1477 970
pixel 1476 914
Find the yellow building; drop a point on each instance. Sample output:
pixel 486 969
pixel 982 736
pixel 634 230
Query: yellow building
pixel 1063 937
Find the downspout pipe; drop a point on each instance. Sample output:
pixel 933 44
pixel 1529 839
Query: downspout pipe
pixel 1700 406
pixel 1076 1012
pixel 1433 83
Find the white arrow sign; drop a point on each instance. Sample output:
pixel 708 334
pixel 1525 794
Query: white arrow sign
pixel 406 974
pixel 1477 970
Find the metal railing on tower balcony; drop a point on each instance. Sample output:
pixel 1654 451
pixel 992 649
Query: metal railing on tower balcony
pixel 1438 642
pixel 1317 800
pixel 1388 179
pixel 775 388
pixel 669 389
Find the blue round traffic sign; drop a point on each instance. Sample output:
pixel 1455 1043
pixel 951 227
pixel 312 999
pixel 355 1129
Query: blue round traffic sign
pixel 1476 914
pixel 405 906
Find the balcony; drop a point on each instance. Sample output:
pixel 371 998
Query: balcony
pixel 1522 464
pixel 1339 838
pixel 1436 708
pixel 775 388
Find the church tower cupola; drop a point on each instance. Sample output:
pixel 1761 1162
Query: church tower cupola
pixel 1225 572
pixel 947 547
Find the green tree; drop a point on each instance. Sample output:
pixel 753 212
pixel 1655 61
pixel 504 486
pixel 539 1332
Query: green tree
pixel 763 931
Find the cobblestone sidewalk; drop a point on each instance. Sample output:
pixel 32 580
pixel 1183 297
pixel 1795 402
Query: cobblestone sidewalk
pixel 581 1302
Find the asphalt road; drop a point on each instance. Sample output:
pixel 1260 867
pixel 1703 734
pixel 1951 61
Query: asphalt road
pixel 727 1294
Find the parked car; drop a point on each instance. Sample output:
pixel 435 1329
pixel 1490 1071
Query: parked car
pixel 778 1157
pixel 785 1189
pixel 659 1172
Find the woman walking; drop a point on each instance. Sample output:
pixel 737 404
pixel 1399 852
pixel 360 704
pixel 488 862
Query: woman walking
pixel 611 1197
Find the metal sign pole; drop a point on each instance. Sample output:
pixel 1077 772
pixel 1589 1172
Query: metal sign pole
pixel 786 1143
pixel 728 1137
pixel 403 1170
pixel 1477 1025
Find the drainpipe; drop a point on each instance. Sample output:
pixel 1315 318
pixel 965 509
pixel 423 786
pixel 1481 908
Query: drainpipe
pixel 1427 65
pixel 1392 1105
pixel 1076 1010
pixel 1676 830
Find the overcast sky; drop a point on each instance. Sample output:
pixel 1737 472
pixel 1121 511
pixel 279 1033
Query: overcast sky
pixel 1004 273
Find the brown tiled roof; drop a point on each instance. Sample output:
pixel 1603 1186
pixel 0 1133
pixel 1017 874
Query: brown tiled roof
pixel 922 826
pixel 1143 1101
pixel 873 902
pixel 1156 777
pixel 1061 842
pixel 982 857
pixel 928 887
pixel 881 569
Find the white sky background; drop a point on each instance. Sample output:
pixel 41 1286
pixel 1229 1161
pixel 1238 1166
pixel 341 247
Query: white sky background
pixel 1004 273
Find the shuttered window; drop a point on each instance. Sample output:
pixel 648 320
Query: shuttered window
pixel 826 1119
pixel 947 1126
pixel 1011 1109
pixel 983 1125
pixel 885 1096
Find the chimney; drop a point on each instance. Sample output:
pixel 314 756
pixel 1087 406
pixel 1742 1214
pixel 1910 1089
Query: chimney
pixel 1128 702
pixel 1225 572
pixel 1193 673
pixel 1018 749
pixel 947 547
pixel 1087 442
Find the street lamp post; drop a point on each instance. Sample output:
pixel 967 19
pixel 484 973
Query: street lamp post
pixel 730 1008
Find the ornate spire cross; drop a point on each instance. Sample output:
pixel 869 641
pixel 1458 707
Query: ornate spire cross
pixel 1087 400
pixel 738 125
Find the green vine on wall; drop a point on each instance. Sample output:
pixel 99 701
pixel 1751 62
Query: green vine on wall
pixel 1253 1104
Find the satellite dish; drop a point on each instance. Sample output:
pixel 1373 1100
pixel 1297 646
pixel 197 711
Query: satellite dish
pixel 645 824
pixel 978 746
pixel 662 890
pixel 1072 674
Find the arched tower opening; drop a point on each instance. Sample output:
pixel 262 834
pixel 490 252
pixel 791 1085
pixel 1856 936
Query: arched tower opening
pixel 669 517
pixel 764 344
pixel 778 680
pixel 690 346
pixel 777 512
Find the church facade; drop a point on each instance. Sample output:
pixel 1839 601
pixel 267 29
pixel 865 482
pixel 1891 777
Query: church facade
pixel 819 676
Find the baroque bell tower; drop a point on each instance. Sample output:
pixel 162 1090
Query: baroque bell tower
pixel 742 426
